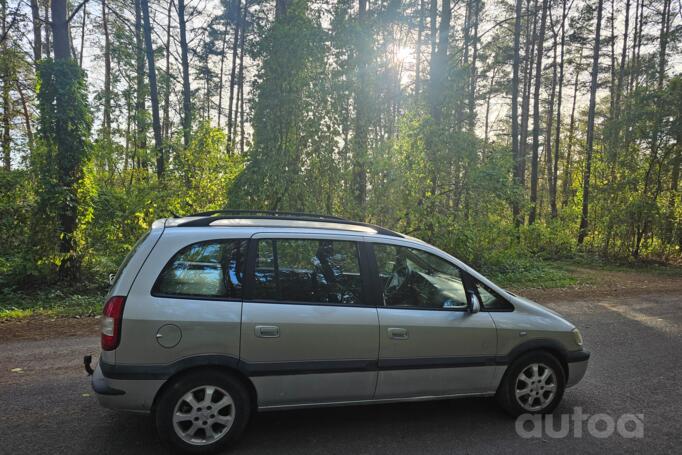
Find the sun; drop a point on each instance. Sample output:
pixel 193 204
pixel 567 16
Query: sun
pixel 403 54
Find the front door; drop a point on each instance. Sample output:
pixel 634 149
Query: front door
pixel 430 344
pixel 309 332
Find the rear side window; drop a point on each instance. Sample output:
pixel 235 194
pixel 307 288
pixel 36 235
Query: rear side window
pixel 212 269
pixel 308 270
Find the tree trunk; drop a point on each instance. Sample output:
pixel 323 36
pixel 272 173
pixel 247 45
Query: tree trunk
pixel 106 111
pixel 557 138
pixel 536 116
pixel 473 75
pixel 486 128
pixel 6 99
pixel 27 116
pixel 140 114
pixel 37 31
pixel 571 137
pixel 418 51
pixel 672 199
pixel 361 115
pixel 527 85
pixel 242 41
pixel 222 72
pixel 167 82
pixel 637 46
pixel 516 153
pixel 281 7
pixel 549 160
pixel 68 134
pixel 433 31
pixel 231 114
pixel 612 85
pixel 186 89
pixel 153 90
pixel 48 46
pixel 582 233
pixel 85 17
pixel 623 58
pixel 6 114
pixel 60 30
pixel 439 64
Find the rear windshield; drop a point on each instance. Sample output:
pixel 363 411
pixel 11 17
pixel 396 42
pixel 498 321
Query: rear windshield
pixel 130 255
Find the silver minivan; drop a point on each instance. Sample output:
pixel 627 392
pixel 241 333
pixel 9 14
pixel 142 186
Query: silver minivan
pixel 214 316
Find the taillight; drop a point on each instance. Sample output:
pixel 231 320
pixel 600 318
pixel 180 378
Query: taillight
pixel 111 322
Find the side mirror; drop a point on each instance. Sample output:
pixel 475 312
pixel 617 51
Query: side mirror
pixel 474 306
pixel 112 276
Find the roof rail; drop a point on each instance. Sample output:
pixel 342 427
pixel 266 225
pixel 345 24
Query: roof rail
pixel 269 213
pixel 203 219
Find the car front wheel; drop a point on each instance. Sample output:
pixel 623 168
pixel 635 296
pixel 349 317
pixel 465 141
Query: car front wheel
pixel 534 384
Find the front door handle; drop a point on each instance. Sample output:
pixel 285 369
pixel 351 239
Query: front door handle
pixel 397 333
pixel 267 331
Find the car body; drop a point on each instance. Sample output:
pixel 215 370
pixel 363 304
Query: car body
pixel 301 310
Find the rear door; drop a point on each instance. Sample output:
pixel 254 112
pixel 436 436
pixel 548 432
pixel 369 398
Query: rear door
pixel 309 331
pixel 430 344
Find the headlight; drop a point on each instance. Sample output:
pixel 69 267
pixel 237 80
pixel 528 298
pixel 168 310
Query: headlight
pixel 578 337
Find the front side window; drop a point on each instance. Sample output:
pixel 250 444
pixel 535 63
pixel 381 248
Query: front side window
pixel 308 270
pixel 211 269
pixel 416 279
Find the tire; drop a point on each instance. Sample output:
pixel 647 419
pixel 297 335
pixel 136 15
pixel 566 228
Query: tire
pixel 536 395
pixel 213 408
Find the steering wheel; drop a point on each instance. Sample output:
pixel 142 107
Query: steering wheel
pixel 399 280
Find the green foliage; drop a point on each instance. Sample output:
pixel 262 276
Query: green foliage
pixel 293 139
pixel 50 303
pixel 126 204
pixel 60 159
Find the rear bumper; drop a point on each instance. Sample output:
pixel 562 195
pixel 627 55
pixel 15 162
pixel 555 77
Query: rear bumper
pixel 577 366
pixel 124 395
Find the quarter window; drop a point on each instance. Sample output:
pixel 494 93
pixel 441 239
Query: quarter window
pixel 206 269
pixel 491 301
pixel 416 279
pixel 308 270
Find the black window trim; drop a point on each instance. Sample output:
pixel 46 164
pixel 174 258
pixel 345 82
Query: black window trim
pixel 252 256
pixel 162 295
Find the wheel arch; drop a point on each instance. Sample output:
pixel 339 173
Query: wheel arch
pixel 547 345
pixel 213 367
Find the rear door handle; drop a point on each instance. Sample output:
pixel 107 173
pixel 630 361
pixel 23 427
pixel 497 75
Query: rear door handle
pixel 397 333
pixel 267 331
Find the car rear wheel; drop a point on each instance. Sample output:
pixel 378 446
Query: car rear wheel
pixel 202 412
pixel 534 384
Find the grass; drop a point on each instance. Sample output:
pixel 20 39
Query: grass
pixel 543 275
pixel 50 303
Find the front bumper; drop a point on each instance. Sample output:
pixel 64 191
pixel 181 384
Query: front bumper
pixel 124 395
pixel 577 366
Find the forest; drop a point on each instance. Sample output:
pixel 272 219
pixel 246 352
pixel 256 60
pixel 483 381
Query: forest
pixel 506 132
